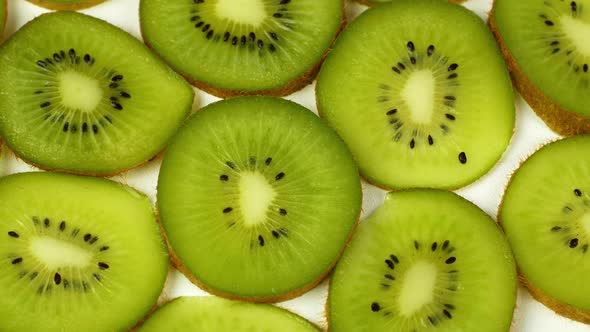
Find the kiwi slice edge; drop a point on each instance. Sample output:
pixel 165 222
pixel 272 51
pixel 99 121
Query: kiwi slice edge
pixel 66 4
pixel 371 3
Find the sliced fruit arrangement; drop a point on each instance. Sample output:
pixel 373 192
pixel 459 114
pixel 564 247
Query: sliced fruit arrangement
pixel 215 314
pixel 376 2
pixel 229 47
pixel 425 260
pixel 418 105
pixel 77 254
pixel 91 100
pixel 546 216
pixel 547 47
pixel 66 4
pixel 257 197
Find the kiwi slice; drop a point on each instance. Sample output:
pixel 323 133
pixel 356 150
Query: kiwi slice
pixel 418 105
pixel 229 47
pixel 415 265
pixel 547 48
pixel 545 213
pixel 215 314
pixel 257 197
pixel 91 100
pixel 66 4
pixel 77 254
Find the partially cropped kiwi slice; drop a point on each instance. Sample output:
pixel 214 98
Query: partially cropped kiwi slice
pixel 77 254
pixel 418 105
pixel 257 198
pixel 546 216
pixel 215 314
pixel 86 100
pixel 229 47
pixel 426 260
pixel 66 4
pixel 547 47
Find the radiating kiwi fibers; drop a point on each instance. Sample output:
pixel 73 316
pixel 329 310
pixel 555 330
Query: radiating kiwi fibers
pixel 418 105
pixel 76 254
pixel 229 47
pixel 257 198
pixel 546 47
pixel 90 100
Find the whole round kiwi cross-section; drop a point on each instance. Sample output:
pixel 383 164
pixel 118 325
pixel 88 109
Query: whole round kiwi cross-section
pixel 88 100
pixel 237 47
pixel 418 105
pixel 547 47
pixel 257 197
pixel 76 254
pixel 66 4
pixel 427 260
pixel 546 216
pixel 220 315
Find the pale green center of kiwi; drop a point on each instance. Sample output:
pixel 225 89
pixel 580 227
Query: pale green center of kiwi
pixel 578 32
pixel 417 287
pixel 250 12
pixel 418 93
pixel 256 196
pixel 79 91
pixel 55 253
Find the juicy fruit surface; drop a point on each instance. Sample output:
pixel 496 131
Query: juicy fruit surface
pixel 244 45
pixel 425 260
pixel 77 254
pixel 546 216
pixel 86 100
pixel 66 4
pixel 420 93
pixel 549 41
pixel 257 196
pixel 220 315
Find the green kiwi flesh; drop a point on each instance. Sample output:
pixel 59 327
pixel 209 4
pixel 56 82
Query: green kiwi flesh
pixel 419 105
pixel 425 260
pixel 257 197
pixel 77 254
pixel 91 100
pixel 215 314
pixel 376 2
pixel 546 216
pixel 229 47
pixel 66 4
pixel 547 46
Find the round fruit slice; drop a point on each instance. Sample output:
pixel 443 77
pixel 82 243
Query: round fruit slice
pixel 419 105
pixel 66 4
pixel 257 197
pixel 547 47
pixel 425 260
pixel 220 315
pixel 77 254
pixel 229 47
pixel 86 100
pixel 546 216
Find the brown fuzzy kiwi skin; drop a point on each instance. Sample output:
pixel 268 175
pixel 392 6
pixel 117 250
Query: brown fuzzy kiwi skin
pixel 66 6
pixel 559 308
pixel 291 87
pixel 371 3
pixel 557 118
pixel 177 263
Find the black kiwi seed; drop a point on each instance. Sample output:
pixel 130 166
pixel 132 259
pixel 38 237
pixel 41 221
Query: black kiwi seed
pixel 230 164
pixel 56 57
pixel 103 266
pixel 124 94
pixel 394 259
pixel 206 27
pixel 447 314
pixel 13 234
pixel 401 66
pixel 416 245
pixel 430 140
pixel 389 264
pixel 226 36
pixel 62 226
pixel 375 307
pixel 261 240
pixel 411 47
pixel 396 70
pixel 57 278
pixel 453 67
pixel 116 106
pixel 451 260
pixel 209 34
pixel 450 116
pixel 555 229
pixel 430 50
pixel 228 210
pixel 284 2
pixel 46 222
pixel 434 246
pixel 280 176
pixel 277 15
pixel 445 245
pixel 585 248
pixel 95 129
pixel 17 260
pixel 274 36
pixel 260 44
pixel 462 158
pixel 41 64
pixel 93 240
pixel 283 212
pixel 224 177
pixel 413 60
pixel 275 234
pixel 234 41
pixel 549 23
pixel 573 243
pixel 113 85
pixel 45 104
pixel 585 68
pixel 104 248
pixel 412 144
pixel 452 76
pixel 389 276
pixel 243 40
pixel 268 161
pixel 252 36
pixel 578 192
pixel 96 276
pixel 87 237
pixel 199 24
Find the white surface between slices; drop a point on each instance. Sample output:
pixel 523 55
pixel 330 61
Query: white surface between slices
pixel 530 134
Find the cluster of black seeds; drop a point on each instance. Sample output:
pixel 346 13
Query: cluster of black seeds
pixel 570 235
pixel 440 251
pixel 58 280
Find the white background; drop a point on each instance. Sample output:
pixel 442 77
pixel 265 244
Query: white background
pixel 530 134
